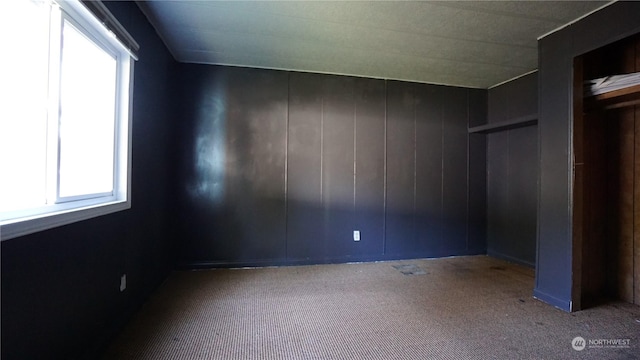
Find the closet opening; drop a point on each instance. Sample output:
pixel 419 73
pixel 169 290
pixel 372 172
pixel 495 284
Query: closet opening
pixel 606 175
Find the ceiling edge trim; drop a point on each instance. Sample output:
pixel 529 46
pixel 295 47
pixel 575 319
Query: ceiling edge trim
pixel 334 73
pixel 513 79
pixel 151 19
pixel 576 20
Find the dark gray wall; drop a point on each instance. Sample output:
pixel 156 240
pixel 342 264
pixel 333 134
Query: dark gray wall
pixel 513 100
pixel 512 172
pixel 556 54
pixel 60 288
pixel 281 167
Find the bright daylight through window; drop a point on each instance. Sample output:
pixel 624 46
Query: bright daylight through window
pixel 64 125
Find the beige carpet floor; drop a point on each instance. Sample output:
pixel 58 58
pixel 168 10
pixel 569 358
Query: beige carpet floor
pixel 472 307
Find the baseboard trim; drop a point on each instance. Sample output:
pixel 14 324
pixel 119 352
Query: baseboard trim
pixel 564 305
pixel 511 259
pixel 203 265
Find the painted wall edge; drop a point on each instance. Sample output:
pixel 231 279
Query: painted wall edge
pixel 554 279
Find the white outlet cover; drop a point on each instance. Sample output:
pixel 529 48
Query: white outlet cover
pixel 123 282
pixel 356 235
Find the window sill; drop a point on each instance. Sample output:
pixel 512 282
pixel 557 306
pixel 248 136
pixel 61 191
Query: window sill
pixel 13 228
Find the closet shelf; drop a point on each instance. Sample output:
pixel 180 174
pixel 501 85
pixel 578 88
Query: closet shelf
pixel 531 119
pixel 612 84
pixel 612 92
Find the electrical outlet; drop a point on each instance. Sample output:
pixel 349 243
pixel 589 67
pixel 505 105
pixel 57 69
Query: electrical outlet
pixel 356 235
pixel 123 282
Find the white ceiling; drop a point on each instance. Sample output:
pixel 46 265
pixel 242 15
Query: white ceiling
pixel 463 43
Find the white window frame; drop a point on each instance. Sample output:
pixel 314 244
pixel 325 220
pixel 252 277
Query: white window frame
pixel 19 223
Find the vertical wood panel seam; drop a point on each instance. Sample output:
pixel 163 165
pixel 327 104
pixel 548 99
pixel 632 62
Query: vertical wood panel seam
pixel 442 120
pixel 286 171
pixel 634 236
pixel 468 170
pixel 322 151
pixel 323 217
pixel 636 208
pixel 355 142
pixel 384 202
pixel 508 185
pixel 415 163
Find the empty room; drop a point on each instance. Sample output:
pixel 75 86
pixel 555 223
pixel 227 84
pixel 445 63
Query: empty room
pixel 320 180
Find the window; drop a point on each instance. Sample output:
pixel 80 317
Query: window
pixel 64 125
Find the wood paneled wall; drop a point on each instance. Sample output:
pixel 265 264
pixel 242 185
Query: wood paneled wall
pixel 512 172
pixel 60 287
pixel 621 205
pixel 281 167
